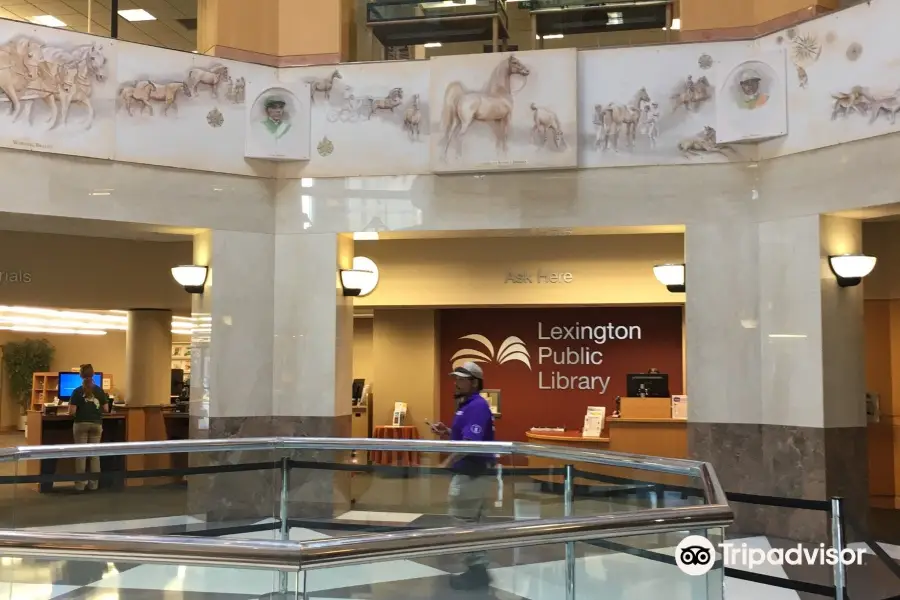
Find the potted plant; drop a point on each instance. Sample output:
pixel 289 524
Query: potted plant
pixel 21 360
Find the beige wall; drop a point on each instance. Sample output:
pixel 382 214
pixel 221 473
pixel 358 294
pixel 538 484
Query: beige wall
pixel 882 240
pixel 606 269
pixel 92 273
pixel 405 366
pixel 363 361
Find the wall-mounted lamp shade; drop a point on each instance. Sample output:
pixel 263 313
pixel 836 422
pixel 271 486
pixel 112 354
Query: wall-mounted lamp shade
pixel 671 276
pixel 361 279
pixel 191 277
pixel 849 269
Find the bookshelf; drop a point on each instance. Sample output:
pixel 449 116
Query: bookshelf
pixel 43 389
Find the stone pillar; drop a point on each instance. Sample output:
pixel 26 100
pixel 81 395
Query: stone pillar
pixel 278 32
pixel 276 362
pixel 775 361
pixel 727 19
pixel 313 360
pixel 148 356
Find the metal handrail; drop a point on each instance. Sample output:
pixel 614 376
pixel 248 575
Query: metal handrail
pixel 300 556
pixel 703 471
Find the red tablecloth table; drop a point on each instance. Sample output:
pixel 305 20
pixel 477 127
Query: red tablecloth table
pixel 401 458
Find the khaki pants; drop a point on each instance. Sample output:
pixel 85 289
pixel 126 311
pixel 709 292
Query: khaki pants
pixel 468 499
pixel 87 433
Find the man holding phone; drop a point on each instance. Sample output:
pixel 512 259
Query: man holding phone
pixel 471 484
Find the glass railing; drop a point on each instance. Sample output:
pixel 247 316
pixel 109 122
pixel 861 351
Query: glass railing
pixel 325 514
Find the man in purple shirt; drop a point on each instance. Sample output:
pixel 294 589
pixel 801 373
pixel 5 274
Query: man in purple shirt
pixel 472 483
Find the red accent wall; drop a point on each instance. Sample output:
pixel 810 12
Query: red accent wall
pixel 524 404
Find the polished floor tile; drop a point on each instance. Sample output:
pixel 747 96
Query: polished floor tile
pixel 366 516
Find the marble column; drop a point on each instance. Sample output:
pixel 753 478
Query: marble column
pixel 148 356
pixel 274 361
pixel 775 362
pixel 313 361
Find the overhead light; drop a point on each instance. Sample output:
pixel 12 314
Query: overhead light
pixel 136 14
pixel 849 269
pixel 191 277
pixel 671 276
pixel 433 45
pixel 551 36
pixel 48 21
pixel 365 236
pixel 362 279
pixel 307 182
pixel 37 329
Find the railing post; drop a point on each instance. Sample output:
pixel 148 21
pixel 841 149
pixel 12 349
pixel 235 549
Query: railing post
pixel 570 546
pixel 283 515
pixel 837 542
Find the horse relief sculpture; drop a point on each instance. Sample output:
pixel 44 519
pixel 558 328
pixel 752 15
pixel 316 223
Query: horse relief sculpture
pixel 692 95
pixel 492 106
pixel 861 101
pixel 546 123
pixel 413 119
pixel 323 86
pixel 613 119
pixel 143 93
pixel 59 78
pixel 703 143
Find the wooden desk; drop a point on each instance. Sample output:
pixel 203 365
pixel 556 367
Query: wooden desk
pixel 652 437
pixel 125 424
pixel 51 430
pixel 394 457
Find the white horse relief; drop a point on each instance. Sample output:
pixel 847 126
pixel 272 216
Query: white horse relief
pixel 31 71
pixel 493 106
pixel 612 119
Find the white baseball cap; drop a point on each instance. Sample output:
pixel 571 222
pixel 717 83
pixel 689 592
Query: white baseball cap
pixel 468 370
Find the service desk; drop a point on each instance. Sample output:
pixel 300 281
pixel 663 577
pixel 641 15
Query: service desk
pixel 124 424
pixel 652 437
pixel 51 430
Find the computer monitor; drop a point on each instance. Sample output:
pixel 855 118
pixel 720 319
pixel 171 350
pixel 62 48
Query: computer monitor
pixel 68 381
pixel 177 383
pixel 647 385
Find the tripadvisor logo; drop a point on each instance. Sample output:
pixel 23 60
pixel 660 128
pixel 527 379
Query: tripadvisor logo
pixel 696 555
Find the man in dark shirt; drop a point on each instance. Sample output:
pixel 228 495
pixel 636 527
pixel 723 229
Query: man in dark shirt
pixel 88 403
pixel 471 484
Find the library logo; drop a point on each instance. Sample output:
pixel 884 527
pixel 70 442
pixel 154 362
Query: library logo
pixel 695 555
pixel 512 349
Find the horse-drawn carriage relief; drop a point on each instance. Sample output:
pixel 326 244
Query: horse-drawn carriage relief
pixel 353 108
pixel 31 70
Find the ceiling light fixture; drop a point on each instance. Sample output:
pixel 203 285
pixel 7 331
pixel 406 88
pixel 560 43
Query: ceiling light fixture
pixel 671 276
pixel 191 277
pixel 849 269
pixel 136 14
pixel 433 45
pixel 47 21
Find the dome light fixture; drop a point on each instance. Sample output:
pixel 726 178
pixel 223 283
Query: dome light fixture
pixel 671 276
pixel 191 277
pixel 849 269
pixel 362 279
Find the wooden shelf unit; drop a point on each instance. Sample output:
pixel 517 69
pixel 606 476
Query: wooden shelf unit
pixel 43 384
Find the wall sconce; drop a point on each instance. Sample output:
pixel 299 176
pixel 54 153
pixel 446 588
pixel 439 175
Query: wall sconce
pixel 671 276
pixel 362 279
pixel 849 269
pixel 191 277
